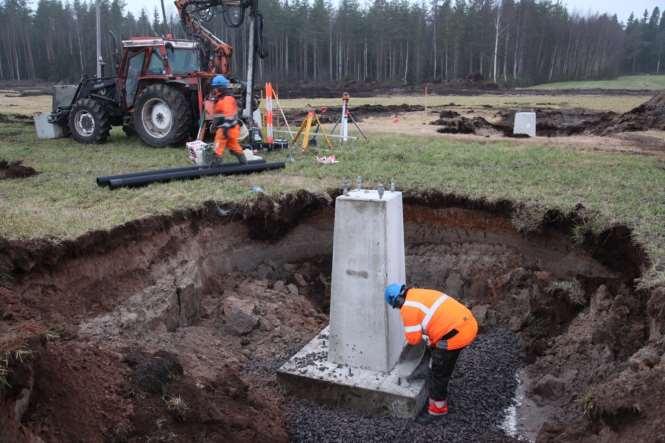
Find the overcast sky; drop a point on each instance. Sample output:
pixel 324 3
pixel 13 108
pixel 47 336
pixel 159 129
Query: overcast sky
pixel 622 8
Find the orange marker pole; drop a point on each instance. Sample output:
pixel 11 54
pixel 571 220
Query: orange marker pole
pixel 269 129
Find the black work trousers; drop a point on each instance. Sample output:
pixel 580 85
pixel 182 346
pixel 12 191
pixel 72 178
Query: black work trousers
pixel 443 365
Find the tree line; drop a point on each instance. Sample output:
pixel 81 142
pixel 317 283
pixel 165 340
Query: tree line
pixel 510 41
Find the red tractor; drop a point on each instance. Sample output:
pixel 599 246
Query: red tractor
pixel 160 85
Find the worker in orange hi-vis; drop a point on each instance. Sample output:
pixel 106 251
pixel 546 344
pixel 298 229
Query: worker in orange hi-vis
pixel 446 326
pixel 226 120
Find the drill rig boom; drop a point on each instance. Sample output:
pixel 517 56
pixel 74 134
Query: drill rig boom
pixel 219 51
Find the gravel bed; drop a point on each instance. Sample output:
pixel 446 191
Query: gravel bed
pixel 481 389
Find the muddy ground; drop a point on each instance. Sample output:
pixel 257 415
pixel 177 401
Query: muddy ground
pixel 15 169
pixel 559 122
pixel 171 328
pixel 332 114
pixel 456 87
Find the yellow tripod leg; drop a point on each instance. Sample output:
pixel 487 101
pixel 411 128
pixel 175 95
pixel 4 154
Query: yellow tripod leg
pixel 300 131
pixel 325 136
pixel 308 127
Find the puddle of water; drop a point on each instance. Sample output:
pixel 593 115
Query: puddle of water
pixel 524 418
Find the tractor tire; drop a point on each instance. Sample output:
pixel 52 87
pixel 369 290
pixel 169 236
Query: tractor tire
pixel 89 122
pixel 162 116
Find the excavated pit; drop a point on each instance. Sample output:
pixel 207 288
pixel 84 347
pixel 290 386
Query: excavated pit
pixel 650 115
pixel 174 327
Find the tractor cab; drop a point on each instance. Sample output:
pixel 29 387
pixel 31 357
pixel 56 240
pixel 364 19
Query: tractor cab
pixel 147 60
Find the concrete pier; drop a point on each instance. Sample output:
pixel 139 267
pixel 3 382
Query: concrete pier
pixel 368 253
pixel 352 362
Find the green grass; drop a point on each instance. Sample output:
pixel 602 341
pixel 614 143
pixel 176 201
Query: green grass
pixel 63 201
pixel 652 82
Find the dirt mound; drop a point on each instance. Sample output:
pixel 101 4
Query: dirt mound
pixel 549 122
pixel 15 118
pixel 333 114
pixel 18 345
pixel 562 122
pixel 74 376
pixel 559 122
pixel 224 408
pixel 649 115
pixel 464 125
pixel 15 169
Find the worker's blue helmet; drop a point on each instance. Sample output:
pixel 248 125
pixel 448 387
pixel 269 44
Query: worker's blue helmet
pixel 393 292
pixel 219 81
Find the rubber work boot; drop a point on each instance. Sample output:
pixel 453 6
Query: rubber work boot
pixel 216 161
pixel 241 157
pixel 434 412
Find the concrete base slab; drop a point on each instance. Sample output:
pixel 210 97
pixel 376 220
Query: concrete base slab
pixel 309 374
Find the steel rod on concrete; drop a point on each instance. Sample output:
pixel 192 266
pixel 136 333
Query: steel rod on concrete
pixel 143 180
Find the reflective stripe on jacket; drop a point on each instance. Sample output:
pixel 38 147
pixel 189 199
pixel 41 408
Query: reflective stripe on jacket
pixel 435 314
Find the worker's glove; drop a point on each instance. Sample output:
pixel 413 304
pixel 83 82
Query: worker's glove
pixel 426 339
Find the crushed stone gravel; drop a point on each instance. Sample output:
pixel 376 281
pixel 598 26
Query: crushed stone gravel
pixel 481 389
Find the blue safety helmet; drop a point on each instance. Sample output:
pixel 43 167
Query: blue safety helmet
pixel 393 292
pixel 219 81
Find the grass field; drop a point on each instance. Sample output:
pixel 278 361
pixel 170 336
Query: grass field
pixel 63 201
pixel 653 82
pixel 596 102
pixel 29 105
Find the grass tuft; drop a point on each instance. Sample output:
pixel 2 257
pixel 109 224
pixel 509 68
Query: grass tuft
pixel 177 407
pixel 652 82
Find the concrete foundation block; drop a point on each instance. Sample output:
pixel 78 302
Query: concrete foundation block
pixel 368 253
pixel 44 129
pixel 353 362
pixel 310 374
pixel 525 124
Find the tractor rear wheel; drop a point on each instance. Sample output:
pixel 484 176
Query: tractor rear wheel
pixel 89 122
pixel 162 116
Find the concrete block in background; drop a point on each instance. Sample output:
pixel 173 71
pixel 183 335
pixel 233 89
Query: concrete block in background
pixel 525 124
pixel 46 130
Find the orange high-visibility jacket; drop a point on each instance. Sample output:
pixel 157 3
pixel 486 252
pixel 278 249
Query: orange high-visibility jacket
pixel 227 106
pixel 435 314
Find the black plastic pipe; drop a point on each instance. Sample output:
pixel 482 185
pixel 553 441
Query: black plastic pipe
pixel 146 179
pixel 104 180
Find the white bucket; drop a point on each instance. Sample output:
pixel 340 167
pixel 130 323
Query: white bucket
pixel 244 132
pixel 199 152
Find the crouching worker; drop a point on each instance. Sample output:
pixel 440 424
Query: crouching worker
pixel 226 120
pixel 446 326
